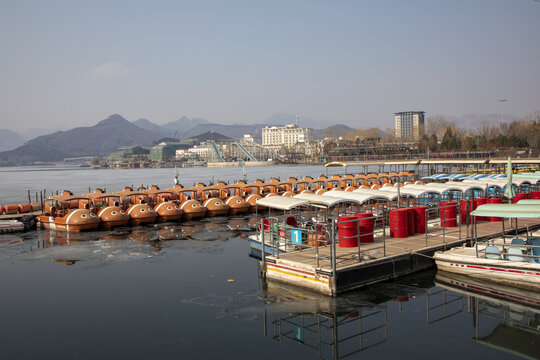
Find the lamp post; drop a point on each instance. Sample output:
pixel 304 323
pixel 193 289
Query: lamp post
pixel 502 101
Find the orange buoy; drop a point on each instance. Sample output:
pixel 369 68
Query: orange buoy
pixel 11 209
pixel 24 208
pixel 36 206
pixel 1 209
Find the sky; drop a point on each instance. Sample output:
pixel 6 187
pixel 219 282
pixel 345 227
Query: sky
pixel 73 63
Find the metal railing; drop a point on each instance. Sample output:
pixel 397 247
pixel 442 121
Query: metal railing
pixel 317 238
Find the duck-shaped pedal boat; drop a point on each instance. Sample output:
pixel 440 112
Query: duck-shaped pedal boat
pixel 233 197
pixel 164 206
pixel 107 208
pixel 214 205
pixel 67 212
pixel 136 206
pixel 254 192
pixel 190 206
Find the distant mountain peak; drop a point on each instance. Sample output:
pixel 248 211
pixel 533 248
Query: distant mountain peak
pixel 114 119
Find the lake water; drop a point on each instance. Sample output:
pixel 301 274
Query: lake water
pixel 190 290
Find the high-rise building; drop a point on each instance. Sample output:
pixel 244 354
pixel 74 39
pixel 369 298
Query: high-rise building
pixel 409 124
pixel 274 137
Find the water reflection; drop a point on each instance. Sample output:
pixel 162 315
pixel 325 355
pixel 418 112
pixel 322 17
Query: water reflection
pixel 129 243
pixel 502 317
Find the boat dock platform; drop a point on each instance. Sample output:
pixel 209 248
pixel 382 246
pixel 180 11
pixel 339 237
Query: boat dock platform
pixel 331 269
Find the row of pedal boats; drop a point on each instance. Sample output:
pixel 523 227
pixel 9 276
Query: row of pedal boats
pixel 69 212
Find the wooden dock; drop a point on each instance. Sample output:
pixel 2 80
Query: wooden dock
pixel 384 259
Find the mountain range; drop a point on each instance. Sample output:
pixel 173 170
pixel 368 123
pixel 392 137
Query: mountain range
pixel 115 131
pixel 98 140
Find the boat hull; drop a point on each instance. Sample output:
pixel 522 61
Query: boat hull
pixel 192 209
pixel 112 216
pixel 167 211
pixel 216 207
pixel 464 261
pixel 237 205
pixel 75 220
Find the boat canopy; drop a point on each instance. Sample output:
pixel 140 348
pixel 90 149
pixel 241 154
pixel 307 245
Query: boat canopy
pixel 466 186
pixel 406 191
pixel 508 210
pixel 98 195
pixel 327 201
pixel 349 195
pixel 433 188
pixel 63 197
pixel 281 202
pixel 529 202
pixel 382 194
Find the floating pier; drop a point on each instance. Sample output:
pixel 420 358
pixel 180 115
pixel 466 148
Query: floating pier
pixel 331 269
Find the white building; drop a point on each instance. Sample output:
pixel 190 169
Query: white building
pixel 409 124
pixel 200 151
pixel 274 137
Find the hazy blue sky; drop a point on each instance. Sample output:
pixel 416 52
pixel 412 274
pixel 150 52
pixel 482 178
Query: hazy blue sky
pixel 73 63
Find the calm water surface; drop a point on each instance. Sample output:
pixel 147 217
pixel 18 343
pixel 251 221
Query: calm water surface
pixel 163 292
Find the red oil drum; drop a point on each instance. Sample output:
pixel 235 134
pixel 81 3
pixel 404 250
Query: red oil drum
pixel 494 201
pixel 465 209
pixel 419 219
pixel 449 214
pixel 477 203
pixel 535 194
pixel 411 228
pixel 520 196
pixel 365 226
pixel 398 223
pixel 348 231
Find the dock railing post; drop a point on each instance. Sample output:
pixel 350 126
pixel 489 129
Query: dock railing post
pixel 443 218
pixel 458 214
pixel 333 256
pixel 384 230
pixel 262 241
pixel 426 217
pixel 358 239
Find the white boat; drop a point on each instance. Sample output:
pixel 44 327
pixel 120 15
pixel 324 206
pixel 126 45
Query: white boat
pixel 9 226
pixel 513 261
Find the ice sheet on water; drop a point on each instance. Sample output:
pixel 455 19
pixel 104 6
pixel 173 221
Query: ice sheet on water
pixel 125 244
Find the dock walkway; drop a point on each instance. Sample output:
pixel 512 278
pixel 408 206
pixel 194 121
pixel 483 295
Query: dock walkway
pixel 383 259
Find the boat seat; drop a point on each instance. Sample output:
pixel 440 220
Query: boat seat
pixel 492 252
pixel 535 250
pixel 514 254
pixel 518 241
